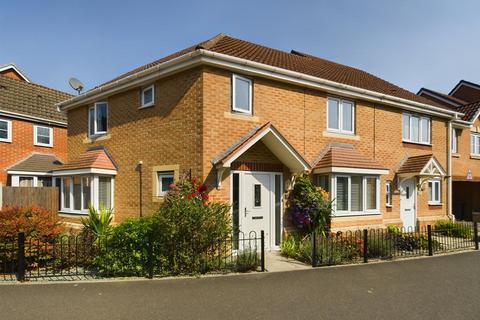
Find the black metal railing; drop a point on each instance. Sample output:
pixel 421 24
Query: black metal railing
pixel 392 243
pixel 81 257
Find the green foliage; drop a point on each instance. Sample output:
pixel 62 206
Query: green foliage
pixel 124 251
pixel 311 208
pixel 289 247
pixel 453 229
pixel 98 222
pixel 247 260
pixel 380 245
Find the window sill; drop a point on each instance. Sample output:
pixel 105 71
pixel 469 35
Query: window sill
pixel 43 145
pixel 146 106
pixel 97 138
pixel 389 206
pixel 355 214
pixel 72 213
pixel 158 199
pixel 417 143
pixel 6 141
pixel 435 204
pixel 240 116
pixel 475 156
pixel 456 155
pixel 340 135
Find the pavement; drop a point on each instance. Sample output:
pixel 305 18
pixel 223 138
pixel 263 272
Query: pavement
pixel 441 287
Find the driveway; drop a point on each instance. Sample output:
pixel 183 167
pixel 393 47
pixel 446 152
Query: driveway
pixel 442 287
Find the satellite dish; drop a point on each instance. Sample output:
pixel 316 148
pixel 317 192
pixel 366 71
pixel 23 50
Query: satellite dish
pixel 76 84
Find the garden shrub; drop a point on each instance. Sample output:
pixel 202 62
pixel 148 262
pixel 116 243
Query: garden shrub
pixel 311 209
pixel 247 260
pixel 98 222
pixel 453 229
pixel 125 250
pixel 35 222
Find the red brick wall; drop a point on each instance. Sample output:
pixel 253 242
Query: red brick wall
pixel 22 145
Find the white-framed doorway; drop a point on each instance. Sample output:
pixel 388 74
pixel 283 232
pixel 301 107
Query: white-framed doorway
pixel 408 196
pixel 257 200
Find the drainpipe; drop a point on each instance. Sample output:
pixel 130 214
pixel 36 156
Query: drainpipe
pixel 449 171
pixel 140 163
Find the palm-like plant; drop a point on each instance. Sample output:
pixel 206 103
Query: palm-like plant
pixel 98 221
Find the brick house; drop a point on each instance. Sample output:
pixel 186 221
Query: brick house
pixel 33 134
pixel 465 145
pixel 246 118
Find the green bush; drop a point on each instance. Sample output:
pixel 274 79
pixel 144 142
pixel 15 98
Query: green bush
pixel 248 260
pixel 380 245
pixel 98 222
pixel 453 229
pixel 125 250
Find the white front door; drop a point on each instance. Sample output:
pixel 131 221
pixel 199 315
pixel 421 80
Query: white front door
pixel 258 206
pixel 407 203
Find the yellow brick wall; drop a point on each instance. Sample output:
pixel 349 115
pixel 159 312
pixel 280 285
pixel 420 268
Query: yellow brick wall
pixel 462 162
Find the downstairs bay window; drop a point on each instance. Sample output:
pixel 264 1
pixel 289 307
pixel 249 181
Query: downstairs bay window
pixel 78 192
pixel 355 194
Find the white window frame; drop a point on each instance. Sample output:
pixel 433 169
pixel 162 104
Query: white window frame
pixel 474 144
pixel 9 131
pixel 388 194
pixel 340 116
pixel 349 212
pixel 35 136
pixel 95 131
pixel 436 185
pixel 160 175
pixel 93 194
pixel 420 131
pixel 454 140
pixel 151 103
pixel 234 91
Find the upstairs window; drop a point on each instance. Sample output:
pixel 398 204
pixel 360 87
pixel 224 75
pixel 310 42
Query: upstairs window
pixel 241 94
pixel 5 130
pixel 475 144
pixel 416 129
pixel 97 119
pixel 454 140
pixel 43 136
pixel 340 116
pixel 148 96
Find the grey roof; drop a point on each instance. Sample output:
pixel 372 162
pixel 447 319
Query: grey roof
pixel 31 99
pixel 37 162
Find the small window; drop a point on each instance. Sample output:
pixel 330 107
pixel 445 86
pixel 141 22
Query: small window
pixel 43 136
pixel 388 193
pixel 416 129
pixel 25 182
pixel 454 140
pixel 257 195
pixel 475 144
pixel 5 130
pixel 434 192
pixel 148 96
pixel 340 115
pixel 97 119
pixel 44 182
pixel 165 179
pixel 241 94
pixel 322 181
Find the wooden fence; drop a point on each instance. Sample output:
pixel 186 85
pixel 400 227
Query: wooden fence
pixel 44 197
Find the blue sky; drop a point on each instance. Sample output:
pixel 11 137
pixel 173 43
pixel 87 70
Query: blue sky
pixel 410 43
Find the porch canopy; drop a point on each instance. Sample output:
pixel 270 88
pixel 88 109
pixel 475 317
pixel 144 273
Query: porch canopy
pixel 344 158
pixel 424 166
pixel 272 139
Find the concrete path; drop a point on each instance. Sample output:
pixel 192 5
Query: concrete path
pixel 441 287
pixel 274 262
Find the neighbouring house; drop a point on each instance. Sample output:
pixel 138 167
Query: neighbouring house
pixel 245 118
pixel 465 145
pixel 33 133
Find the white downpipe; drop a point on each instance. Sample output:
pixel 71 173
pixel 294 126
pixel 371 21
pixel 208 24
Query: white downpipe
pixel 449 172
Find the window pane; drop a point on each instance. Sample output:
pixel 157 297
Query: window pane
pixel 104 192
pixel 414 134
pixel 257 195
pixel 425 123
pixel 242 94
pixel 371 193
pixel 101 117
pixel 43 135
pixel 388 199
pixel 235 208
pixel 322 181
pixel 165 184
pixel 91 121
pixel 357 193
pixel 347 116
pixel 454 140
pixel 278 211
pixel 77 193
pixel 430 191
pixel 66 192
pixel 86 191
pixel 26 182
pixel 148 96
pixel 342 194
pixel 406 127
pixel 333 114
pixel 3 130
pixel 44 182
pixel 437 191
